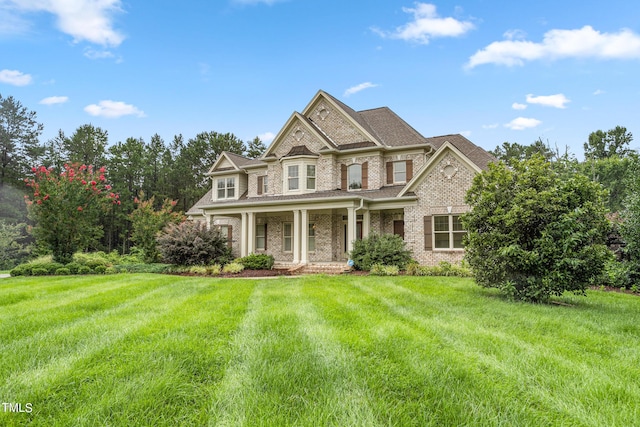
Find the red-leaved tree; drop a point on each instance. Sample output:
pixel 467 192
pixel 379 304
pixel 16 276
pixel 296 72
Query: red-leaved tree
pixel 66 208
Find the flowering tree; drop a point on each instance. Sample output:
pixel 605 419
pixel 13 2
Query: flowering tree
pixel 148 222
pixel 66 208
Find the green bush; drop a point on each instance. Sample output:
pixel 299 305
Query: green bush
pixel 73 267
pixel 142 268
pixel 384 270
pixel 257 262
pixel 93 259
pixel 100 269
pixel 198 269
pixel 85 269
pixel 444 268
pixel 191 243
pixel 18 271
pixel 214 270
pixel 39 271
pixel 386 249
pixel 110 270
pixel 62 271
pixel 233 268
pixel 135 256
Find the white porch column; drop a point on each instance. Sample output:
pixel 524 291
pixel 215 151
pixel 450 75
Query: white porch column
pixel 366 223
pixel 208 220
pixel 243 235
pixel 305 236
pixel 351 228
pixel 296 236
pixel 251 232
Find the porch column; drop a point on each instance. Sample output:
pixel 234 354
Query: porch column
pixel 296 236
pixel 366 223
pixel 208 220
pixel 243 235
pixel 351 228
pixel 251 232
pixel 305 236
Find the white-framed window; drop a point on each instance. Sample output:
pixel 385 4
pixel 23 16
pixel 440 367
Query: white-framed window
pixel 265 184
pixel 447 232
pixel 226 188
pixel 354 176
pixel 311 242
pixel 292 177
pixel 287 237
pixel 261 237
pixel 311 177
pixel 399 172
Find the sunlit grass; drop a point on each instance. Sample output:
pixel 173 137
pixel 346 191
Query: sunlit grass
pixel 167 350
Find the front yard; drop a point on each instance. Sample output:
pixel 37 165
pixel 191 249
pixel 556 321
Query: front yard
pixel 142 349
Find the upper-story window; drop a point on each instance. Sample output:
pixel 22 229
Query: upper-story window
pixel 311 177
pixel 263 184
pixel 399 172
pixel 292 177
pixel 354 176
pixel 226 188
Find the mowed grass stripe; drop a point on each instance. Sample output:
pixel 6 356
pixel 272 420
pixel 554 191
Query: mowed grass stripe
pixel 162 373
pixel 540 371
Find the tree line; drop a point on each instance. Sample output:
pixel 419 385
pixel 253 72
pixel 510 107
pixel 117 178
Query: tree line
pixel 160 170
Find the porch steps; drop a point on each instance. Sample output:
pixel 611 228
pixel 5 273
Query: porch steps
pixel 321 268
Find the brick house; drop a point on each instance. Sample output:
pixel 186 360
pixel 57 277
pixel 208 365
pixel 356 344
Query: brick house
pixel 333 175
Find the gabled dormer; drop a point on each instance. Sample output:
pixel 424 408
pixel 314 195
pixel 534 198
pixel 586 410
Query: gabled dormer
pixel 229 179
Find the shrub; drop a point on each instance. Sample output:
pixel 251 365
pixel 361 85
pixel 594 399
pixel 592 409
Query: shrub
pixel 39 271
pixel 257 262
pixel 110 270
pixel 386 249
pixel 191 243
pixel 100 269
pixel 384 270
pixel 84 269
pixel 73 267
pixel 135 256
pixel 233 268
pixel 214 270
pixel 533 234
pixel 198 269
pixel 142 268
pixel 444 268
pixel 62 271
pixel 93 259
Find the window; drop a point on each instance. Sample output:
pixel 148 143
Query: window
pixel 399 172
pixel 261 236
pixel 312 238
pixel 292 177
pixel 354 176
pixel 447 232
pixel 263 185
pixel 311 177
pixel 225 231
pixel 287 238
pixel 226 188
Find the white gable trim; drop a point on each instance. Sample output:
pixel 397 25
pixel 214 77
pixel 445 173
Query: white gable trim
pixel 302 121
pixel 221 158
pixel 433 160
pixel 322 94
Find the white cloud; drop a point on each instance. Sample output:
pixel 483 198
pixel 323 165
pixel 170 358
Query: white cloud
pixel 581 43
pixel 599 92
pixel 98 54
pixel 90 20
pixel 517 106
pixel 15 77
pixel 355 89
pixel 52 100
pixel 267 137
pixel 113 109
pixel 522 123
pixel 557 101
pixel 427 24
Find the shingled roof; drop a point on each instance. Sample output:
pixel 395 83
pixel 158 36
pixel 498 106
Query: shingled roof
pixel 476 154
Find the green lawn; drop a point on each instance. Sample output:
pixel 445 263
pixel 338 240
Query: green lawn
pixel 158 350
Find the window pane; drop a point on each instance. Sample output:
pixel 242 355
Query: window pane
pixel 221 193
pixel 287 241
pixel 311 177
pixel 312 237
pixel 221 183
pixel 354 173
pixel 265 183
pixel 457 224
pixel 293 183
pixel 231 192
pixel 231 182
pixel 292 174
pixel 399 171
pixel 441 240
pixel 457 240
pixel 440 223
pixel 293 171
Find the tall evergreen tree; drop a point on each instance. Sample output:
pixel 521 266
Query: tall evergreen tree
pixel 86 146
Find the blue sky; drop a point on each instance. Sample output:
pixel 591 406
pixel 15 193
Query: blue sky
pixel 493 71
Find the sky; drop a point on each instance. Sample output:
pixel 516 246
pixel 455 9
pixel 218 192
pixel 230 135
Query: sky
pixel 492 71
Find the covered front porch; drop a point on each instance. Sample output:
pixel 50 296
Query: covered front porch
pixel 304 233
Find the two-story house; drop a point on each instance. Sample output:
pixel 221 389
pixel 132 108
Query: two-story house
pixel 333 175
